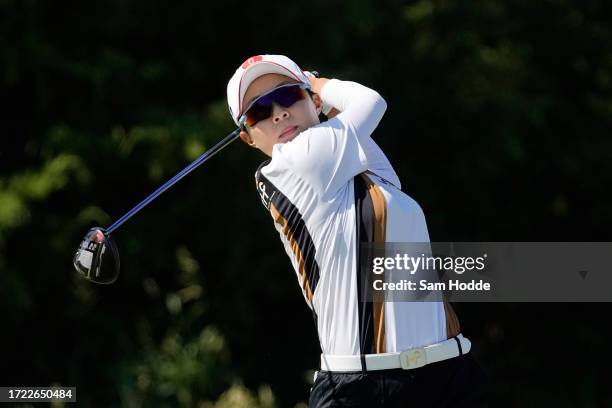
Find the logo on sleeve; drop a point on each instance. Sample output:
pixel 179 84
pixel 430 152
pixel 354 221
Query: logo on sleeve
pixel 266 198
pixel 265 189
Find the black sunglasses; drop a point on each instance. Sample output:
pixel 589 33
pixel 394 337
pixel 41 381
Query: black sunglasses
pixel 284 95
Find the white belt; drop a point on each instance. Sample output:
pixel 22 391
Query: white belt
pixel 407 360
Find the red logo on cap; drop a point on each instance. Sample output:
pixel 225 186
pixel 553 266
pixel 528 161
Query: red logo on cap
pixel 250 61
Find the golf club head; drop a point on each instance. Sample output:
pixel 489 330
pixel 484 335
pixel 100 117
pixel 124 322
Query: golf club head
pixel 97 258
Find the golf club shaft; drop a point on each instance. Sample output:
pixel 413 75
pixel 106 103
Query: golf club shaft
pixel 205 156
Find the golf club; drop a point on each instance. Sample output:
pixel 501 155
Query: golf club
pixel 97 257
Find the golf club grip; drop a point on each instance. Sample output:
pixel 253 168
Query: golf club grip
pixel 205 156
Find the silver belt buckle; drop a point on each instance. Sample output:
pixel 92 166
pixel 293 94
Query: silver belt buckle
pixel 413 358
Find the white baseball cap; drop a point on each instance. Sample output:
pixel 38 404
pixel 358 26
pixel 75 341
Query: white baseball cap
pixel 251 69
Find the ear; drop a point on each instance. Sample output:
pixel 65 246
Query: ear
pixel 246 138
pixel 316 99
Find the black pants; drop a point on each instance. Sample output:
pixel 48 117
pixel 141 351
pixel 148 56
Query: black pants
pixel 456 382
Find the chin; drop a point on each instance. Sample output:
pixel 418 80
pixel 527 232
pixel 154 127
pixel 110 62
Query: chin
pixel 294 136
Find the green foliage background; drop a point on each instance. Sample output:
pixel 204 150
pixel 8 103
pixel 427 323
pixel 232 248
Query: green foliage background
pixel 499 124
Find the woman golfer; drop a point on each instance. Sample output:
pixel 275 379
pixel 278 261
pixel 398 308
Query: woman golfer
pixel 329 188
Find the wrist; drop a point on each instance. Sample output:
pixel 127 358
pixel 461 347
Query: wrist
pixel 318 84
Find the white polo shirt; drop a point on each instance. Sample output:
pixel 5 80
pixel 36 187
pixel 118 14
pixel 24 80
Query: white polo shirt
pixel 329 189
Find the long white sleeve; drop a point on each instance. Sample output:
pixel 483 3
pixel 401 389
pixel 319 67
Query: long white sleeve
pixel 358 105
